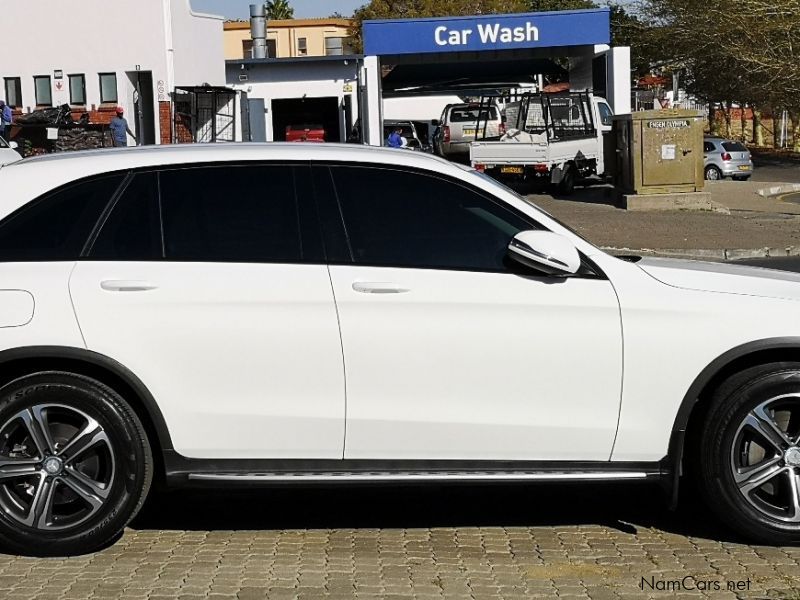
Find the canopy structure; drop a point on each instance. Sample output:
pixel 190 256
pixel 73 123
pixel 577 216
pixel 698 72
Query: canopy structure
pixel 467 76
pixel 465 55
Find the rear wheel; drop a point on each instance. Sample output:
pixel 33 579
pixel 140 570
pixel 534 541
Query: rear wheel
pixel 75 464
pixel 567 184
pixel 750 453
pixel 713 173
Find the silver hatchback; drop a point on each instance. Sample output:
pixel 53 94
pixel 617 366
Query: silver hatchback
pixel 726 158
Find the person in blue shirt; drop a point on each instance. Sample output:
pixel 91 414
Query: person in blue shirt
pixel 120 130
pixel 395 138
pixel 6 117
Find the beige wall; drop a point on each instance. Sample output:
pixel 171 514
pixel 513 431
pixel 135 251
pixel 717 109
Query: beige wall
pixel 287 34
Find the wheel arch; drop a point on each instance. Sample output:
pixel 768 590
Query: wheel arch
pixel 16 362
pixel 696 400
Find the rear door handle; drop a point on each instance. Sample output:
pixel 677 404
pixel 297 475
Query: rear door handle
pixel 116 285
pixel 376 287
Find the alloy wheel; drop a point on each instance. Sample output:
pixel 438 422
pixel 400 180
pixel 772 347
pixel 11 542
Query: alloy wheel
pixel 765 458
pixel 56 467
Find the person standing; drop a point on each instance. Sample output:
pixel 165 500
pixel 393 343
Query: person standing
pixel 120 130
pixel 6 117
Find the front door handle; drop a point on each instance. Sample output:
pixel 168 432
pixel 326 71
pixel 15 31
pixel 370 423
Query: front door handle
pixel 115 285
pixel 376 287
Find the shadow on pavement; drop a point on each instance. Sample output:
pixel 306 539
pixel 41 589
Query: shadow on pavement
pixel 624 507
pixel 589 194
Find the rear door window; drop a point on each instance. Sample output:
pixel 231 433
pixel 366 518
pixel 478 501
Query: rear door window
pixel 231 214
pixel 734 147
pixel 57 226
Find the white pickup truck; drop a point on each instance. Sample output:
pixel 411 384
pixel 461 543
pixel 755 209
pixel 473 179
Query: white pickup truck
pixel 553 139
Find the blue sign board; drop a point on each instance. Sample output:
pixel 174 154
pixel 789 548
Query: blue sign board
pixel 490 32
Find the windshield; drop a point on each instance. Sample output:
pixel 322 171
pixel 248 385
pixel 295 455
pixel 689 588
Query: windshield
pixel 502 186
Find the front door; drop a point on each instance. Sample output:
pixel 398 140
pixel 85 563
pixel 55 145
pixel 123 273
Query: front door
pixel 208 284
pixel 450 351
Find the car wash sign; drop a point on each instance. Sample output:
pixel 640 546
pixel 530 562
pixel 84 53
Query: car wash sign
pixel 495 32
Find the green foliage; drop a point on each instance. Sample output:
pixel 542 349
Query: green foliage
pixel 546 5
pixel 745 52
pixel 279 9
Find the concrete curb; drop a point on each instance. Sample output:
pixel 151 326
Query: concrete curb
pixel 709 254
pixel 779 190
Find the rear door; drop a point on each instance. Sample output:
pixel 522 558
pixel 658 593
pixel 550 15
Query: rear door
pixel 208 283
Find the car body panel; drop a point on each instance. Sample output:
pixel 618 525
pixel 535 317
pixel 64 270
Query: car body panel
pixel 8 154
pixel 467 365
pixel 226 350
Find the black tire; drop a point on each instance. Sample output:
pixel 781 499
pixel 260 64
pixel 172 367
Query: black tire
pixel 726 441
pixel 713 173
pixel 118 462
pixel 567 184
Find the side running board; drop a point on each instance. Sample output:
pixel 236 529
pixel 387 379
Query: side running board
pixel 385 476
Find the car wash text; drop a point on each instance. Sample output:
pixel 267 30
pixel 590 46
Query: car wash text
pixel 488 34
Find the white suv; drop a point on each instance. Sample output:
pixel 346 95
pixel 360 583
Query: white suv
pixel 244 314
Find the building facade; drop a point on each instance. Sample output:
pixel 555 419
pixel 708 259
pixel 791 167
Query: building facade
pixel 132 54
pixel 291 38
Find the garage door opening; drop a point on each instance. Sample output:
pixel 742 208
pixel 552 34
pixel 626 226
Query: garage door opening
pixel 312 113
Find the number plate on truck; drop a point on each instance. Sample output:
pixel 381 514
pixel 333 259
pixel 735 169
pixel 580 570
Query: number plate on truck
pixel 514 170
pixel 468 131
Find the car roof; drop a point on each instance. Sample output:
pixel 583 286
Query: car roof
pixel 90 162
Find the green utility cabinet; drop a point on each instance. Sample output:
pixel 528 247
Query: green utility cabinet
pixel 659 151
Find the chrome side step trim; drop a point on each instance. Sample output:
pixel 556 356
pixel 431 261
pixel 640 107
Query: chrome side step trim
pixel 421 476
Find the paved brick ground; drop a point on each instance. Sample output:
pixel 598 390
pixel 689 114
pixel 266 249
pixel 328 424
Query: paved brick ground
pixel 427 543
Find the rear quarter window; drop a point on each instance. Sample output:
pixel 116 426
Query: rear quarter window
pixel 56 226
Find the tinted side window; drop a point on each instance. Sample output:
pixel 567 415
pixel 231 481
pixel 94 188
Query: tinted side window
pixel 57 225
pixel 403 219
pixel 133 229
pixel 231 214
pixel 708 147
pixel 734 147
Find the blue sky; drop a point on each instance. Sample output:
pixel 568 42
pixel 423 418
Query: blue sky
pixel 303 9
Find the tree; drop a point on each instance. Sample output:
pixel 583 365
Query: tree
pixel 749 55
pixel 547 5
pixel 279 9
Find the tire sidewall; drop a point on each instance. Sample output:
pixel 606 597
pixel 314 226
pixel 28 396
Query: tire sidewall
pixel 128 448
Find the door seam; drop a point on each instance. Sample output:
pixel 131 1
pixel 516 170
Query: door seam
pixel 344 362
pixel 72 303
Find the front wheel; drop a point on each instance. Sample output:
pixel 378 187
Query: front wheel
pixel 750 453
pixel 75 464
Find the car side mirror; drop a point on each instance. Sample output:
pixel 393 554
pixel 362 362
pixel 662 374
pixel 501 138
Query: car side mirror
pixel 545 251
pixel 13 145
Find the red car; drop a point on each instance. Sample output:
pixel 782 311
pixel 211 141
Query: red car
pixel 305 133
